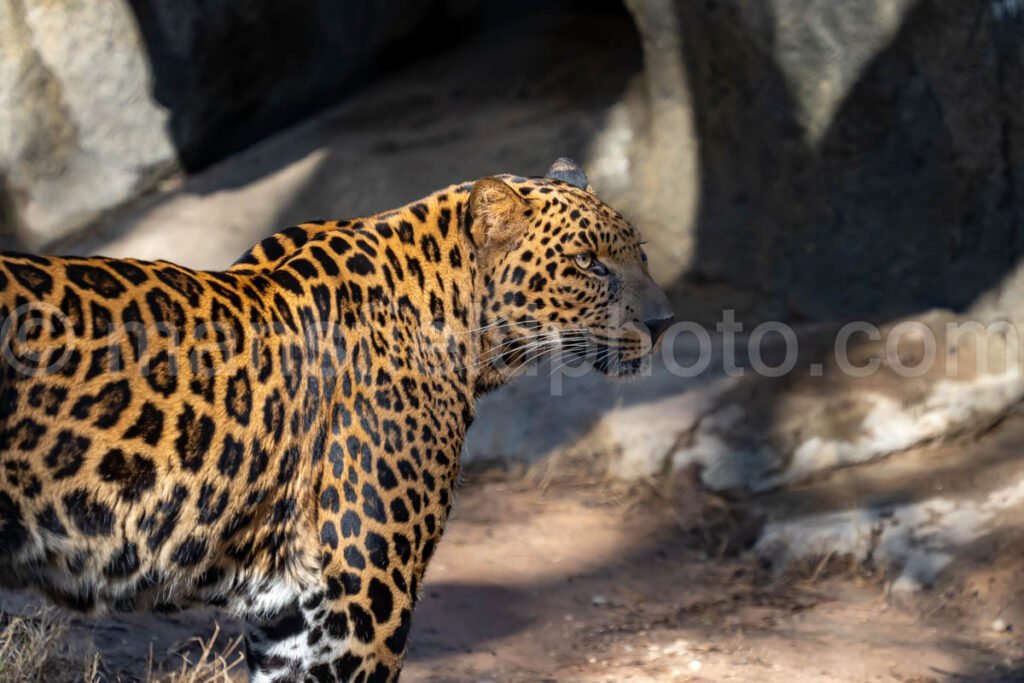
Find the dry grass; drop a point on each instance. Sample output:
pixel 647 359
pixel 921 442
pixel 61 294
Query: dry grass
pixel 37 649
pixel 208 666
pixel 33 648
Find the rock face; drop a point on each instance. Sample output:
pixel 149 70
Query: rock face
pixel 920 381
pixel 840 159
pixel 813 160
pixel 100 100
pixel 80 132
pixel 810 159
pixel 229 73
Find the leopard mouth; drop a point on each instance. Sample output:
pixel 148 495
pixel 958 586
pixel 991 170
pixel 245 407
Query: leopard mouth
pixel 615 358
pixel 622 368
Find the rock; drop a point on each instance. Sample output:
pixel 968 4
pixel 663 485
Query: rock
pixel 917 539
pixel 81 132
pixel 819 160
pixel 647 159
pixel 814 161
pixel 229 74
pixel 99 101
pixel 646 437
pixel 921 381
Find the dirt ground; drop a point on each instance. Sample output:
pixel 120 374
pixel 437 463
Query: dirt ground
pixel 561 580
pixel 571 584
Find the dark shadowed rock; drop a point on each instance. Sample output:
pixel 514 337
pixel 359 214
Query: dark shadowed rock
pixel 229 73
pixel 809 159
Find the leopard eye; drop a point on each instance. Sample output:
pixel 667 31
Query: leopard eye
pixel 584 260
pixel 588 262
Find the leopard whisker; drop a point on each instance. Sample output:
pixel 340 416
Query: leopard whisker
pixel 537 349
pixel 552 343
pixel 540 355
pixel 557 335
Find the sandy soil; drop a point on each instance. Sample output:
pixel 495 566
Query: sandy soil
pixel 564 581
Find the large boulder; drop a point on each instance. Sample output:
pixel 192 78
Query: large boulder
pixel 821 161
pixel 812 159
pixel 99 101
pixel 80 130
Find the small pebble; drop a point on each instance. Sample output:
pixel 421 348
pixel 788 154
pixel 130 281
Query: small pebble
pixel 598 600
pixel 1000 626
pixel 695 666
pixel 678 647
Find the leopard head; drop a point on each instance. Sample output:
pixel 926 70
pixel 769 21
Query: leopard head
pixel 565 277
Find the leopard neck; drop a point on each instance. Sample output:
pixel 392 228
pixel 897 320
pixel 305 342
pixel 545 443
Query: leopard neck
pixel 414 267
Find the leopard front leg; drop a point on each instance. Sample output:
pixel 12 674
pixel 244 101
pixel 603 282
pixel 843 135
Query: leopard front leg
pixel 328 637
pixel 354 627
pixel 377 513
pixel 277 646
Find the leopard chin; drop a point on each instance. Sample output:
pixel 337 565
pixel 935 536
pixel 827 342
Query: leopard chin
pixel 624 369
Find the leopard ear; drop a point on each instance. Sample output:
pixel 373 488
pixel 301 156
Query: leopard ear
pixel 568 171
pixel 498 211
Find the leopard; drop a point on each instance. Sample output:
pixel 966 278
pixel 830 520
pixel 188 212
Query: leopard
pixel 282 439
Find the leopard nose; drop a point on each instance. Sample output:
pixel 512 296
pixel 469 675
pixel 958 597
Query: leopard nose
pixel 657 328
